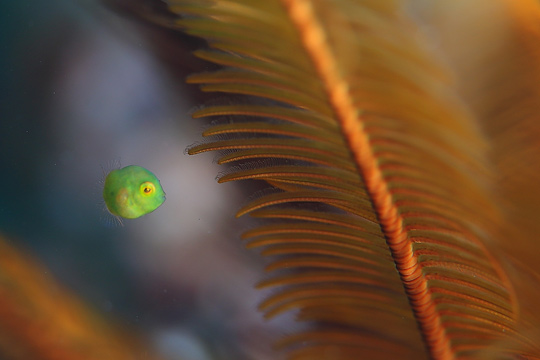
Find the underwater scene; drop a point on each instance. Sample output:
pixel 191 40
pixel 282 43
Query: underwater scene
pixel 266 180
pixel 84 93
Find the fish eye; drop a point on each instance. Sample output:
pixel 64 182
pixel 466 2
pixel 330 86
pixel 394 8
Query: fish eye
pixel 147 188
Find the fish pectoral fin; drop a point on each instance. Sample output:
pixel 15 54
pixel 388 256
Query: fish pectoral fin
pixel 122 198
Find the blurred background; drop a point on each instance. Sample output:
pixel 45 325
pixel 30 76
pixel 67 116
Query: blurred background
pixel 88 84
pixel 85 86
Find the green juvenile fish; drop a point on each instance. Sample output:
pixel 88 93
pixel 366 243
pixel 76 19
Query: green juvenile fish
pixel 132 192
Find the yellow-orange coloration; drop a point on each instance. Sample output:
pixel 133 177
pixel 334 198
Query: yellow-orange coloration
pixel 349 117
pixel 380 170
pixel 40 320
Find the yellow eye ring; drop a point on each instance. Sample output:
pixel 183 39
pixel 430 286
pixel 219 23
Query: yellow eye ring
pixel 147 188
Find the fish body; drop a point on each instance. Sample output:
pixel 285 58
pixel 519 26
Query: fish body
pixel 132 192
